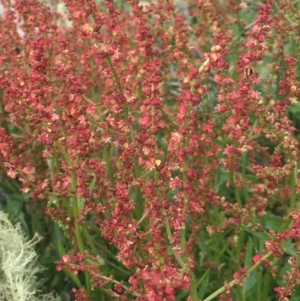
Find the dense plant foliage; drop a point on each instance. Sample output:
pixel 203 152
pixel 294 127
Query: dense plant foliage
pixel 155 145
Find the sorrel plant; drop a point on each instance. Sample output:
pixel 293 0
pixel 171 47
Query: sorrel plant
pixel 157 137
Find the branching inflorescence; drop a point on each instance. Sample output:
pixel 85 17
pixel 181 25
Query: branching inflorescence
pixel 105 121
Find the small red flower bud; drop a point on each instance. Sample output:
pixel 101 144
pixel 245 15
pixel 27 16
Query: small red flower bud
pixel 218 48
pixel 207 68
pixel 195 99
pixel 217 79
pixel 186 80
pixel 256 258
pixel 201 90
pixel 214 57
pixel 194 72
pixel 261 38
pixel 293 88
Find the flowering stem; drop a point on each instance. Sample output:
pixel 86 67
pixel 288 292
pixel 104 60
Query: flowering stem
pixel 193 286
pixel 201 68
pixel 118 82
pixel 239 201
pixel 76 200
pixel 116 282
pixel 294 188
pixel 116 77
pixel 170 238
pixel 286 224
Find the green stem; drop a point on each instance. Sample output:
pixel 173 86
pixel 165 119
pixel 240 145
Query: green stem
pixel 244 166
pixel 170 238
pixel 294 189
pixel 193 287
pixel 89 239
pixel 76 201
pixel 118 82
pixel 293 199
pixel 237 195
pixel 115 74
pixel 119 283
pixel 236 191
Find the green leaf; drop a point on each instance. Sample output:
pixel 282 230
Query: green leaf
pixel 61 249
pixel 92 185
pixel 182 295
pixel 288 245
pixel 66 156
pixel 80 203
pixel 52 201
pixel 203 288
pixel 96 263
pixel 249 254
pixel 272 222
pixel 249 282
pixel 257 234
pixel 63 151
